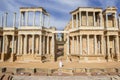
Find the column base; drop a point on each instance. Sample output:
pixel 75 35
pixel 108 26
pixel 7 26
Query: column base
pixel 52 58
pixel 2 57
pixel 12 57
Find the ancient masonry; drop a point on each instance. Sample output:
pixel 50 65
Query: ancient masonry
pixel 92 34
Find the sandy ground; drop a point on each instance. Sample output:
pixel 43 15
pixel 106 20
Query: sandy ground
pixel 52 65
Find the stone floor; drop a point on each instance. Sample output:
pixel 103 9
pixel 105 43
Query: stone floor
pixel 66 78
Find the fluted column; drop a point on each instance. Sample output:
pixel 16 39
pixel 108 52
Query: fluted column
pixel 26 18
pixel 106 20
pixel 25 45
pixel 72 21
pixel 3 46
pixel 18 45
pixel 95 44
pixel 5 19
pixel 73 45
pixel 77 45
pixel 101 18
pixel 43 44
pixel 102 44
pixel 88 44
pixel 87 18
pixel 47 44
pixel 33 44
pixel 68 45
pixel 94 18
pixel 20 18
pixel 76 20
pixel 108 49
pixel 80 19
pixel 14 20
pixel 21 44
pixel 22 13
pixel 80 44
pixel 117 46
pixel 13 44
pixel 40 45
pixel 116 23
pixel 34 16
pixel 53 44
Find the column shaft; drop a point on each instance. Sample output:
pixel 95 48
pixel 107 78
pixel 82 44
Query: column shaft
pixel 18 45
pixel 77 45
pixel 47 44
pixel 13 44
pixel 80 20
pixel 106 20
pixel 3 46
pixel 43 44
pixel 80 44
pixel 95 46
pixel 88 44
pixel 73 45
pixel 87 18
pixel 108 49
pixel 14 20
pixel 53 43
pixel 5 20
pixel 72 21
pixel 27 18
pixel 76 20
pixel 101 19
pixel 25 45
pixel 33 44
pixel 94 18
pixel 40 45
pixel 102 44
pixel 68 45
pixel 20 19
pixel 117 46
pixel 34 16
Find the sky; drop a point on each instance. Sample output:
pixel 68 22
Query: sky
pixel 59 10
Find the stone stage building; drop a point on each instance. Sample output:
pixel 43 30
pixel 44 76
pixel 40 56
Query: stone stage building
pixel 91 35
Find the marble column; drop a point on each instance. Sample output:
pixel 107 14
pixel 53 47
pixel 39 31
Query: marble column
pixel 5 19
pixel 94 18
pixel 117 46
pixel 68 45
pixel 33 44
pixel 43 44
pixel 40 44
pixel 101 19
pixel 3 45
pixel 25 44
pixel 102 44
pixel 76 20
pixel 14 20
pixel 41 19
pixel 88 44
pixel 22 13
pixel 53 44
pixel 77 45
pixel 80 44
pixel 95 44
pixel 116 23
pixel 106 20
pixel 80 19
pixel 20 19
pixel 13 38
pixel 108 49
pixel 73 45
pixel 21 44
pixel 72 21
pixel 1 21
pixel 27 13
pixel 34 16
pixel 18 45
pixel 47 44
pixel 87 18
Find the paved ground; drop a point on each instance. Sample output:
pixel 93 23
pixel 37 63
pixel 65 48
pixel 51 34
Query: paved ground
pixel 66 78
pixel 55 65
